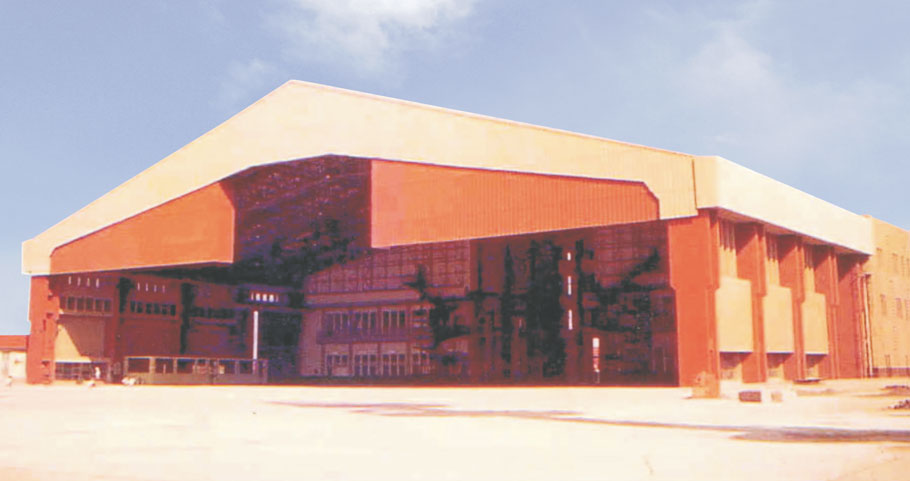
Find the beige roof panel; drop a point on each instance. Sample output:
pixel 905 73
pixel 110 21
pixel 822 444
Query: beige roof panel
pixel 724 184
pixel 301 120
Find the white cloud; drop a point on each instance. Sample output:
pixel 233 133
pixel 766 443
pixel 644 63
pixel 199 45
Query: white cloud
pixel 759 108
pixel 244 83
pixel 365 33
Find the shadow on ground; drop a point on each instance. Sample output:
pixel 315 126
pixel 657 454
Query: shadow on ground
pixel 795 434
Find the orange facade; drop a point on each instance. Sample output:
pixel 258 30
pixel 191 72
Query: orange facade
pixel 415 203
pixel 198 227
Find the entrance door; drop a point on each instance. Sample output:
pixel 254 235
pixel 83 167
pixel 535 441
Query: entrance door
pixel 279 335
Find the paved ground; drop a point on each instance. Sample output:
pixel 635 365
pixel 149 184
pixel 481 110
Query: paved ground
pixel 73 433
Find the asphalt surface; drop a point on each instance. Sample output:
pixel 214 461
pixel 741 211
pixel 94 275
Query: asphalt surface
pixel 837 430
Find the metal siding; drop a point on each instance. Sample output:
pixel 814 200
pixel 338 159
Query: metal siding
pixel 198 227
pixel 414 203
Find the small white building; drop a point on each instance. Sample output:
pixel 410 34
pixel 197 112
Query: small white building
pixel 12 356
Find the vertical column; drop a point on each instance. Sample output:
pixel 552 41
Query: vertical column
pixel 750 265
pixel 826 283
pixel 791 275
pixel 692 244
pixel 850 316
pixel 42 314
pixel 350 363
pixel 113 347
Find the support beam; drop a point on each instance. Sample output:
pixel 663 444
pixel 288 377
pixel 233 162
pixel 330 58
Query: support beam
pixel 850 317
pixel 791 275
pixel 693 254
pixel 750 265
pixel 826 283
pixel 43 309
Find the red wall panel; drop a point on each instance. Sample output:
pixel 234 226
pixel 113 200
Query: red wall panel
pixel 195 228
pixel 416 203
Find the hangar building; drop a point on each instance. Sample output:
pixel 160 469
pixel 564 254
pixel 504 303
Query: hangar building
pixel 325 233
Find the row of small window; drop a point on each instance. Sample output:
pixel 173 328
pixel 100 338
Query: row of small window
pixel 901 307
pixel 368 283
pixel 157 308
pixel 900 265
pixel 151 287
pixel 267 297
pixel 86 304
pixel 73 371
pixel 212 313
pixel 79 281
pixel 164 365
pixel 153 308
pixel 342 322
pixel 394 364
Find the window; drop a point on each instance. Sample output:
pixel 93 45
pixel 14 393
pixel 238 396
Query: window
pixel 227 367
pixel 185 366
pixel 164 365
pixel 137 366
pixel 245 367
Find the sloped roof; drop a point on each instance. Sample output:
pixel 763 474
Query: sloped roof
pixel 301 120
pixel 13 343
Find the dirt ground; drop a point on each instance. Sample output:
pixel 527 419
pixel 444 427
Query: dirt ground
pixel 837 430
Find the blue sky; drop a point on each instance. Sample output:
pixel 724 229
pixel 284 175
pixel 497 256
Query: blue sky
pixel 813 93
